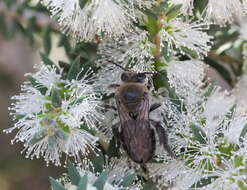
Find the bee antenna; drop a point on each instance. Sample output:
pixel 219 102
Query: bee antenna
pixel 120 66
pixel 150 73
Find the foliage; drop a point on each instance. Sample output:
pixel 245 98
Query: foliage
pixel 65 109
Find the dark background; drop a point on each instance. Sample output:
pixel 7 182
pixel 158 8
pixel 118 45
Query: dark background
pixel 16 171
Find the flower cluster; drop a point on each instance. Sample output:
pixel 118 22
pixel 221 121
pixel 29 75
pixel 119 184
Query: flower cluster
pixel 54 115
pixel 208 134
pixel 62 111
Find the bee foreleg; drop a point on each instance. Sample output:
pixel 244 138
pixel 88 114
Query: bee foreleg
pixel 154 106
pixel 107 106
pixel 163 137
pixel 116 134
pixel 114 86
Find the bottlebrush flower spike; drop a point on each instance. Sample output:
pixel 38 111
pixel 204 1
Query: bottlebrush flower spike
pixel 223 11
pixel 47 128
pixel 184 35
pixel 187 5
pixel 91 20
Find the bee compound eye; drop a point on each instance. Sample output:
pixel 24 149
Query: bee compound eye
pixel 141 77
pixel 124 77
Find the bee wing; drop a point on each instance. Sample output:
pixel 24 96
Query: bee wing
pixel 122 112
pixel 144 108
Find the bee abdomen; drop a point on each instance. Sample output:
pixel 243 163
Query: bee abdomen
pixel 138 140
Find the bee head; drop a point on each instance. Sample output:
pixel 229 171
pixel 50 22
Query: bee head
pixel 133 77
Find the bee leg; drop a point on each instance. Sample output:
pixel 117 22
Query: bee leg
pixel 116 134
pixel 107 106
pixel 163 137
pixel 114 86
pixel 154 106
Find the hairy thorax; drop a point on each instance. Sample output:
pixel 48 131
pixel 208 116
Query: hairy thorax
pixel 131 95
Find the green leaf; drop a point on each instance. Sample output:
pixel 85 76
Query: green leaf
pixel 83 183
pixel 127 180
pixel 77 101
pixel 56 98
pixel 243 133
pixel 64 65
pixel 65 43
pixel 37 85
pixel 56 185
pixel 20 116
pixel 224 47
pixel 149 186
pixel 82 3
pixel 47 39
pixel 46 59
pixel 98 161
pixel 210 89
pixel 152 26
pixel 75 176
pixel 203 182
pixel 74 69
pixel 192 53
pixel 173 11
pixel 198 133
pixel 100 182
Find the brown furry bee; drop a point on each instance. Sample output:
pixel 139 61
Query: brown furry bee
pixel 136 131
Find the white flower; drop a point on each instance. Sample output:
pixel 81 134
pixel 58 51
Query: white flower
pixel 30 102
pixel 216 107
pixel 245 5
pixel 231 176
pixel 233 131
pixel 223 11
pixel 243 29
pixel 187 78
pixel 180 35
pixel 96 17
pixel 47 77
pixel 187 5
pixel 132 51
pixel 174 174
pixel 240 92
pixel 48 130
pixel 92 178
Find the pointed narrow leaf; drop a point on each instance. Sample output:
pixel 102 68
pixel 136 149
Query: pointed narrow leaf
pixel 148 186
pixel 100 182
pixel 211 87
pixel 83 183
pixel 37 85
pixel 82 3
pixel 65 43
pixel 198 133
pixel 74 69
pixel 56 98
pixel 243 133
pixel 56 185
pixel 98 161
pixel 203 182
pixel 127 180
pixel 75 176
pixel 152 25
pixel 46 60
pixel 173 12
pixel 47 39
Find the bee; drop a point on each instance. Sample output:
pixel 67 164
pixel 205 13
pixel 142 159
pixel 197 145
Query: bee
pixel 136 131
